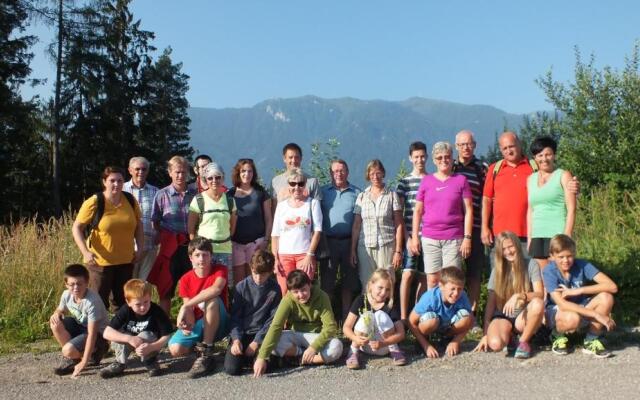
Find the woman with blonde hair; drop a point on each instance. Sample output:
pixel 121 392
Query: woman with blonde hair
pixel 514 305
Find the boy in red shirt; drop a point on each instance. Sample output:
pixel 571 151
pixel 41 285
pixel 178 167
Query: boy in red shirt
pixel 203 316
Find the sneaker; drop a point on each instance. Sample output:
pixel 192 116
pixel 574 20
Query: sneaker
pixel 352 361
pixel 102 346
pixel 595 348
pixel 523 350
pixel 512 345
pixel 398 357
pixel 204 364
pixel 560 345
pixel 112 370
pixel 66 366
pixel 153 367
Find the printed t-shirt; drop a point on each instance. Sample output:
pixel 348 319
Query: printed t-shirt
pixel 155 321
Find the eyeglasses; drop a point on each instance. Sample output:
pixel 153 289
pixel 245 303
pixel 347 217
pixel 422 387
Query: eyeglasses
pixel 298 184
pixel 440 158
pixel 465 144
pixel 140 169
pixel 217 178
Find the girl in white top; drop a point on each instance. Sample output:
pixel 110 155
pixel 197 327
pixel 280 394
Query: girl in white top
pixel 297 225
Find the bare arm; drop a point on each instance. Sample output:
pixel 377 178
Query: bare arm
pixel 487 235
pixel 570 202
pixel 192 224
pixel 465 247
pixel 268 217
pixel 399 228
pixel 232 222
pixel 92 335
pixel 77 230
pixel 355 235
pixel 418 210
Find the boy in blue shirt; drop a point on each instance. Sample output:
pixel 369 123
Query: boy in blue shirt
pixel 255 302
pixel 572 303
pixel 444 309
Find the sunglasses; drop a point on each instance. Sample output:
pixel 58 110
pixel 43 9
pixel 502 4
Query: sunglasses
pixel 440 158
pixel 298 184
pixel 217 178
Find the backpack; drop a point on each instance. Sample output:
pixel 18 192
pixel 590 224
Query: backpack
pixel 498 164
pixel 97 216
pixel 200 202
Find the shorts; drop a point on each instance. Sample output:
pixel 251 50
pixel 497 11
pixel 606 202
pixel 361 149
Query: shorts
pixel 412 263
pixel 338 264
pixel 77 332
pixel 444 326
pixel 511 319
pixel 242 253
pixel 551 311
pixel 476 262
pixel 439 254
pixel 539 248
pixel 190 340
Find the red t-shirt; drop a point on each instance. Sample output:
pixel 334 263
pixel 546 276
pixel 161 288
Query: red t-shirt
pixel 509 195
pixel 191 284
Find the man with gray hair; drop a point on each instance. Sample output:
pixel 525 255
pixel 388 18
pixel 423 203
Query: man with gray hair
pixel 144 193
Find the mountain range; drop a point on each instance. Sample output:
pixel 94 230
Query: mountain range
pixel 366 129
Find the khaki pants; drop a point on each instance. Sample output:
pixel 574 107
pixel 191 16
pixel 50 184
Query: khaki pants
pixel 372 258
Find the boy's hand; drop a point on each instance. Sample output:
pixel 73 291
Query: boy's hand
pixel 259 367
pixel 78 369
pixel 453 348
pixel 414 246
pixel 135 341
pixel 566 292
pixel 144 350
pixel 186 319
pixel 56 318
pixel 431 351
pixel 236 347
pixel 483 345
pixel 251 349
pixel 606 321
pixel 307 356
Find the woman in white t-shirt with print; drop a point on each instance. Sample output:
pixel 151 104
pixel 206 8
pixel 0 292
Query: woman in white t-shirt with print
pixel 297 225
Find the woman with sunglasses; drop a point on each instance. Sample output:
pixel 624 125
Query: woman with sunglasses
pixel 444 209
pixel 297 225
pixel 212 215
pixel 254 216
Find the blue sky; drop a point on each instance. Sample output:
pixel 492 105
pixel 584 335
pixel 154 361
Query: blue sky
pixel 239 53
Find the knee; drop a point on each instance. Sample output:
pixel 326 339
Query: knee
pixel 334 351
pixel 568 321
pixel 535 307
pixel 70 351
pixel 495 343
pixel 147 336
pixel 428 326
pixel 177 350
pixel 212 305
pixel 606 299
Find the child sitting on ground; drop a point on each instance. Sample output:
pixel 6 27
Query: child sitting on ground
pixel 308 314
pixel 572 303
pixel 372 325
pixel 515 302
pixel 139 325
pixel 203 317
pixel 80 333
pixel 254 304
pixel 444 309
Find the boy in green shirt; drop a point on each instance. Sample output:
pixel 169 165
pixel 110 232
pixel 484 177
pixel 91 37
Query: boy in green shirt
pixel 307 312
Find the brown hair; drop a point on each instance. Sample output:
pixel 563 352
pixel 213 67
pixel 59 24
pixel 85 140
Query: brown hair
pixel 375 163
pixel 200 243
pixel 262 262
pixel 111 170
pixel 452 274
pixel 235 173
pixel 560 243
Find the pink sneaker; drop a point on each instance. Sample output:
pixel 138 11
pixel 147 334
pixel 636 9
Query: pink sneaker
pixel 398 357
pixel 352 361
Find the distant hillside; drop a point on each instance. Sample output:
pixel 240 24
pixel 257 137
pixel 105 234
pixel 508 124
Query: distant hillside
pixel 366 129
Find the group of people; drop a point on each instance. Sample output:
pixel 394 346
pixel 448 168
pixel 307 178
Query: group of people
pixel 208 241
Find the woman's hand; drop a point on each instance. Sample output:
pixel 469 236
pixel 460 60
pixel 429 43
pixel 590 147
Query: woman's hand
pixel 89 259
pixel 483 345
pixel 510 306
pixel 354 257
pixel 396 261
pixel 308 265
pixel 465 248
pixel 279 270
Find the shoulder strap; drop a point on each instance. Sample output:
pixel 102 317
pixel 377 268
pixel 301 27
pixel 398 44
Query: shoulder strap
pixel 129 198
pixel 496 167
pixel 229 197
pixel 97 215
pixel 533 164
pixel 200 202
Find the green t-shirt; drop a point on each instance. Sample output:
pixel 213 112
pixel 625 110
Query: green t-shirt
pixel 216 221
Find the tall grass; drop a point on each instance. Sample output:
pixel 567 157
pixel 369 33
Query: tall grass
pixel 32 257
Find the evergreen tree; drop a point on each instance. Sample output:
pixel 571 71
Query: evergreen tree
pixel 163 119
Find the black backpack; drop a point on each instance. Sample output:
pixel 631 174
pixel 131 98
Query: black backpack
pixel 97 216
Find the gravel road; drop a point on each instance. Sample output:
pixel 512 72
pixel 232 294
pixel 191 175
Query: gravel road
pixel 467 376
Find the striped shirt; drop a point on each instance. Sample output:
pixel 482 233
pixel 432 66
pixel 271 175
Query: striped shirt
pixel 171 208
pixel 378 227
pixel 407 190
pixel 145 196
pixel 475 172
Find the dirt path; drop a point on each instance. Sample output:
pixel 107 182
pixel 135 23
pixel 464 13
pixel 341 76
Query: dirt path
pixel 467 376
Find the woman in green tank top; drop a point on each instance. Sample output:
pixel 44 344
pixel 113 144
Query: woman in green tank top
pixel 552 206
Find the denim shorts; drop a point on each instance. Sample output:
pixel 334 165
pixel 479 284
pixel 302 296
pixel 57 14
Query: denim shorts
pixel 193 338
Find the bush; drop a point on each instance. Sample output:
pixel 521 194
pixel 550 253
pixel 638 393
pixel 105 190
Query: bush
pixel 608 234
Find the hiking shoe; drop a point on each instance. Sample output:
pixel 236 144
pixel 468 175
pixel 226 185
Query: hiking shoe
pixel 560 345
pixel 112 370
pixel 523 350
pixel 152 367
pixel 65 367
pixel 102 346
pixel 595 348
pixel 352 361
pixel 398 358
pixel 204 363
